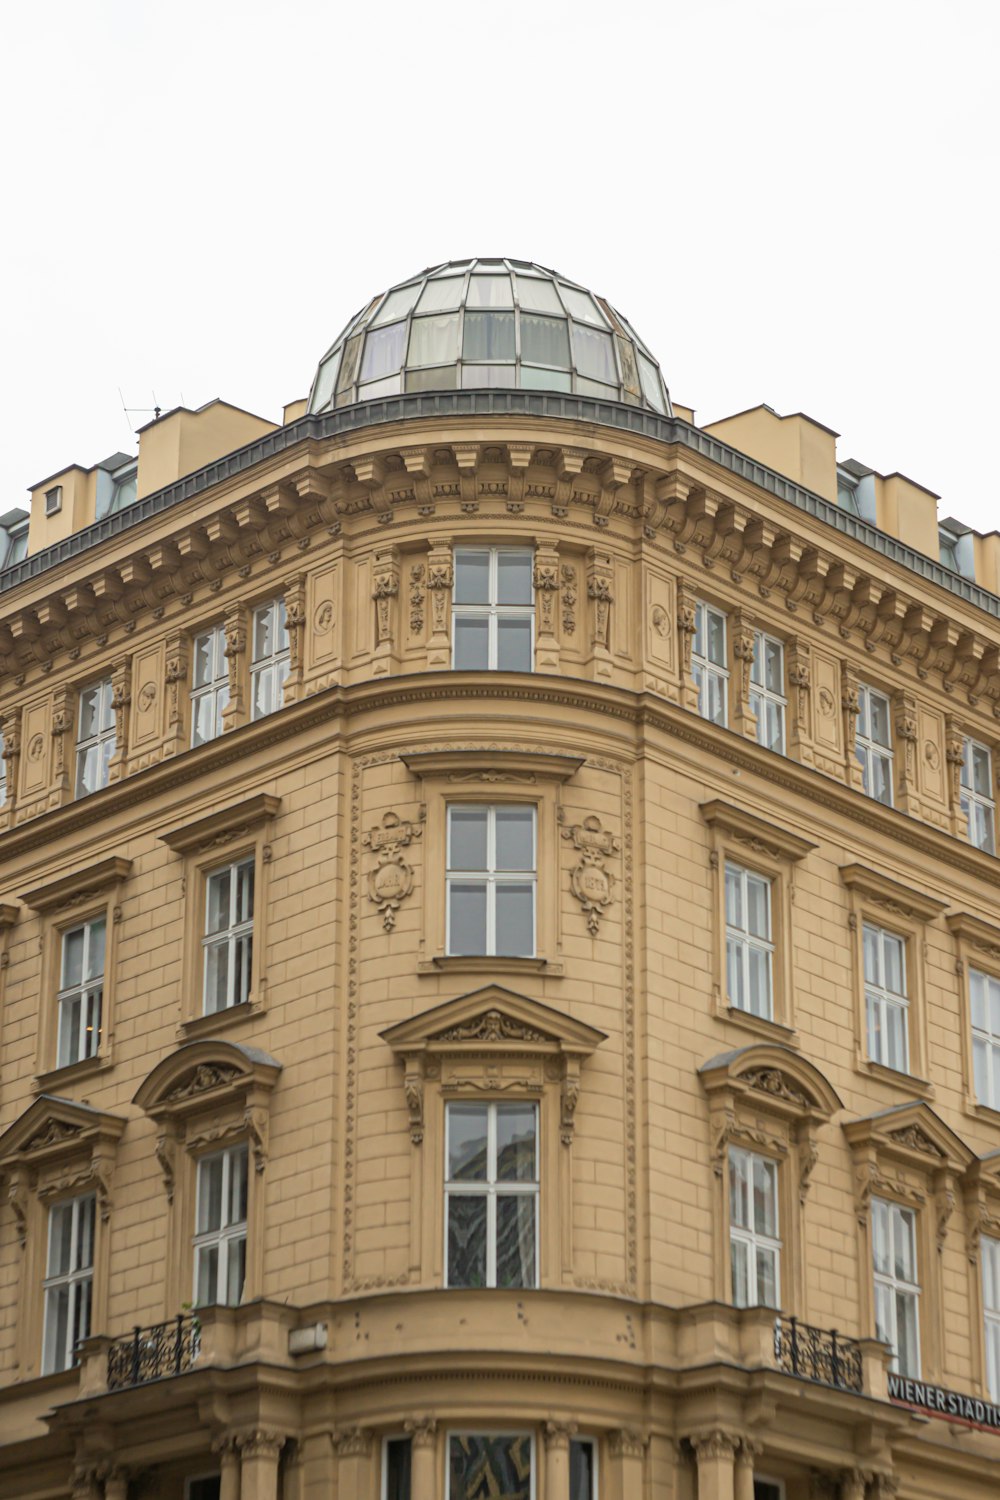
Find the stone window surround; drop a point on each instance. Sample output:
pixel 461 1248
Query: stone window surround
pixel 56 1149
pixel 492 1044
pixel 773 1102
pixel 62 904
pixel 908 1155
pixel 905 911
pixel 495 777
pixel 242 830
pixel 977 944
pixel 765 848
pixel 204 1096
pixel 981 1204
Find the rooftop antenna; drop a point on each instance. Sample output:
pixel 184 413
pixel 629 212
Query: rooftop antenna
pixel 140 410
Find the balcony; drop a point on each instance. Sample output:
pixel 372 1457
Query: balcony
pixel 818 1354
pixel 154 1353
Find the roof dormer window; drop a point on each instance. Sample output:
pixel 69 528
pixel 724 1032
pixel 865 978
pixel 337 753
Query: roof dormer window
pixel 124 492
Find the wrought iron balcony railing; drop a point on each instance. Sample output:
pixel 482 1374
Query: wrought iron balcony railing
pixel 818 1354
pixel 153 1353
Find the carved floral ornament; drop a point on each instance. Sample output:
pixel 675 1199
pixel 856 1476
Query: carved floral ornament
pixel 909 1154
pixel 591 882
pixel 55 1147
pixel 767 1097
pixel 390 880
pixel 488 1042
pixel 209 1092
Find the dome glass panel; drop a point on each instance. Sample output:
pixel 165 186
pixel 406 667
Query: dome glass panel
pixel 488 324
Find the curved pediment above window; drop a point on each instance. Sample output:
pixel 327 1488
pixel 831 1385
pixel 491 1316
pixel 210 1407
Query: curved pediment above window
pixel 772 1077
pixel 58 1146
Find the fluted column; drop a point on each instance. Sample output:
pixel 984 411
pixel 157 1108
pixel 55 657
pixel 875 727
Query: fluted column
pixel 747 1453
pixel 715 1453
pixel 259 1454
pixel 423 1452
pixel 557 1441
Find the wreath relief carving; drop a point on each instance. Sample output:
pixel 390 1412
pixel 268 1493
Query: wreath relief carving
pixel 391 879
pixel 590 881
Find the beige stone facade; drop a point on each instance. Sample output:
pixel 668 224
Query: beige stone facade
pixel 358 1024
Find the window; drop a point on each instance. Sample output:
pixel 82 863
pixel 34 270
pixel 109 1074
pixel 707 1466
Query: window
pixel 754 1246
pixel 493 613
pixel 708 662
pixel 210 685
pixel 491 1195
pixel 396 1467
pixel 873 744
pixel 491 880
pixel 847 493
pixel 220 1244
pixel 897 1291
pixel 984 1001
pixel 95 740
pixel 69 1281
pixel 978 803
pixel 990 1253
pixel 749 949
pixel 490 1464
pixel 886 1001
pixel 767 691
pixel 53 500
pixel 3 774
pixel 124 492
pixel 228 940
pixel 17 548
pixel 81 992
pixel 947 550
pixel 269 664
pixel 582 1469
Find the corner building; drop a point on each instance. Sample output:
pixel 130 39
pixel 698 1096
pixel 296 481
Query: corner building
pixel 500 979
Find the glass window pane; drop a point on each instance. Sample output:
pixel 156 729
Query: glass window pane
pixel 441 378
pixel 397 304
pixel 492 377
pixel 203 720
pixel 56 1328
pixel 263 632
pixel 438 296
pixel 472 644
pixel 582 306
pixel 981 771
pixel 90 710
pixel 759 967
pixel 767 1277
pixel 514 577
pixel 513 645
pixel 515 832
pixel 488 336
pixel 204 657
pixel 879 711
pixel 892 949
pixel 237 1207
pixel 72 956
pixel 734 973
pixel 210 1170
pixel 326 379
pixel 981 1070
pixel 545 380
pixel 544 341
pixel 384 351
pixel 216 977
pixel 467 829
pixel 236 1260
pixel 472 577
pixel 481 1468
pixel 467 1136
pixel 434 341
pixel 758 906
pixel 765 1197
pixel 739 1188
pixel 515 919
pixel 740 1272
pixel 397 1469
pixel 244 891
pixel 515 1249
pixel 539 294
pixel 716 637
pixel 582 1470
pixel 60 1239
pixel 516 1143
pixel 873 968
pixel 734 896
pixel 594 354
pixel 219 888
pixel 207 1275
pixel 993 992
pixel 489 291
pixel 390 386
pixel 349 367
pixel 95 950
pixel 651 387
pixel 466 1239
pixel 466 917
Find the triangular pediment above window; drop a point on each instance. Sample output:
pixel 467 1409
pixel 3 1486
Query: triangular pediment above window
pixel 911 1134
pixel 493 1018
pixel 53 1128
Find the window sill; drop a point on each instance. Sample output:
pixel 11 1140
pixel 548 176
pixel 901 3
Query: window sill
pixel 982 1112
pixel 219 1020
pixel 774 1031
pixel 921 1088
pixel 57 1078
pixel 461 963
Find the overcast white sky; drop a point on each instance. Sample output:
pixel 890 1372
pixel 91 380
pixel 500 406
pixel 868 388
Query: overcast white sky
pixel 794 201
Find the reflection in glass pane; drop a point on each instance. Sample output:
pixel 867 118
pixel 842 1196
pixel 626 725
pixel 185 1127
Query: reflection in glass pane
pixel 515 923
pixel 472 577
pixel 466 1239
pixel 489 1467
pixel 466 917
pixel 326 380
pixel 391 386
pixel 515 828
pixel 516 1143
pixel 516 1239
pixel 384 350
pixel 467 1137
pixel 467 827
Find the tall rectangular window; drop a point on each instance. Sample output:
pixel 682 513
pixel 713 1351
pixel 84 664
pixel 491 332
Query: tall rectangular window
pixel 209 685
pixel 873 743
pixel 81 992
pixel 886 1000
pixel 69 1281
pixel 220 1242
pixel 493 615
pixel 749 949
pixel 3 774
pixel 897 1289
pixel 491 880
pixel 767 691
pixel 491 1195
pixel 228 940
pixel 95 738
pixel 978 801
pixel 582 1469
pixel 990 1255
pixel 984 1004
pixel 754 1246
pixel 709 662
pixel 270 659
pixel 396 1468
pixel 491 1463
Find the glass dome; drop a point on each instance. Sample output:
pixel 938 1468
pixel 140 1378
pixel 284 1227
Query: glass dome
pixel 472 324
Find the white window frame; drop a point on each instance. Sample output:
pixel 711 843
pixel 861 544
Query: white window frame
pixel 494 1432
pixel 490 1189
pixel 704 671
pixel 271 664
pixel 88 995
pixel 894 1285
pixel 238 934
pixel 748 1234
pixel 879 999
pixel 75 1280
pixel 102 737
pixel 990 1260
pixel 984 1038
pixel 868 750
pixel 742 941
pixel 228 1234
pixel 217 684
pixel 492 611
pixel 971 799
pixel 491 877
pixel 760 693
